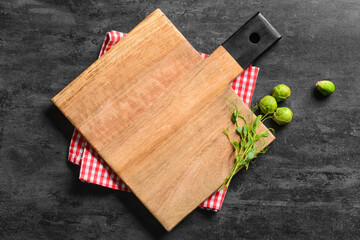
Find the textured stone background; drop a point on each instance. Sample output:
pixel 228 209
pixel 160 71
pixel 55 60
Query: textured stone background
pixel 306 187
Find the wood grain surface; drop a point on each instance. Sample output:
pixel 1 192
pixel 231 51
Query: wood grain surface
pixel 171 111
pixel 124 82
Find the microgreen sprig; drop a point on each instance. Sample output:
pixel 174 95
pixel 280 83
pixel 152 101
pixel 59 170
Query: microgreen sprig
pixel 245 149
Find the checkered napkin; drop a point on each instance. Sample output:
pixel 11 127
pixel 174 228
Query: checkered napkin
pixel 95 170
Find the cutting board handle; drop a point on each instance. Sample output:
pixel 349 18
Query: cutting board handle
pixel 251 40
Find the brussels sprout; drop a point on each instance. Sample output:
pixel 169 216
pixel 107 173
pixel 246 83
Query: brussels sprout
pixel 281 92
pixel 325 87
pixel 283 115
pixel 268 104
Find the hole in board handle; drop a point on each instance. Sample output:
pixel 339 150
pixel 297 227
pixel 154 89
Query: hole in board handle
pixel 254 37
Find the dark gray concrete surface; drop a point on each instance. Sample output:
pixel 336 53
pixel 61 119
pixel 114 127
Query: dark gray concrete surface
pixel 307 186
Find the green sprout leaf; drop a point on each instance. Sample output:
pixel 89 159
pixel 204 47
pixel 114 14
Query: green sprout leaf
pixel 239 130
pixel 251 155
pixel 265 134
pixel 245 130
pixel 236 144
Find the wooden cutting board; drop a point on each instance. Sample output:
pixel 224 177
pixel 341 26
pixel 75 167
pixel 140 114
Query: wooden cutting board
pixel 175 154
pixel 142 108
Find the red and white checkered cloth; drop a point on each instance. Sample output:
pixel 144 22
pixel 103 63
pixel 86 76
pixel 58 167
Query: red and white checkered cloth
pixel 95 170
